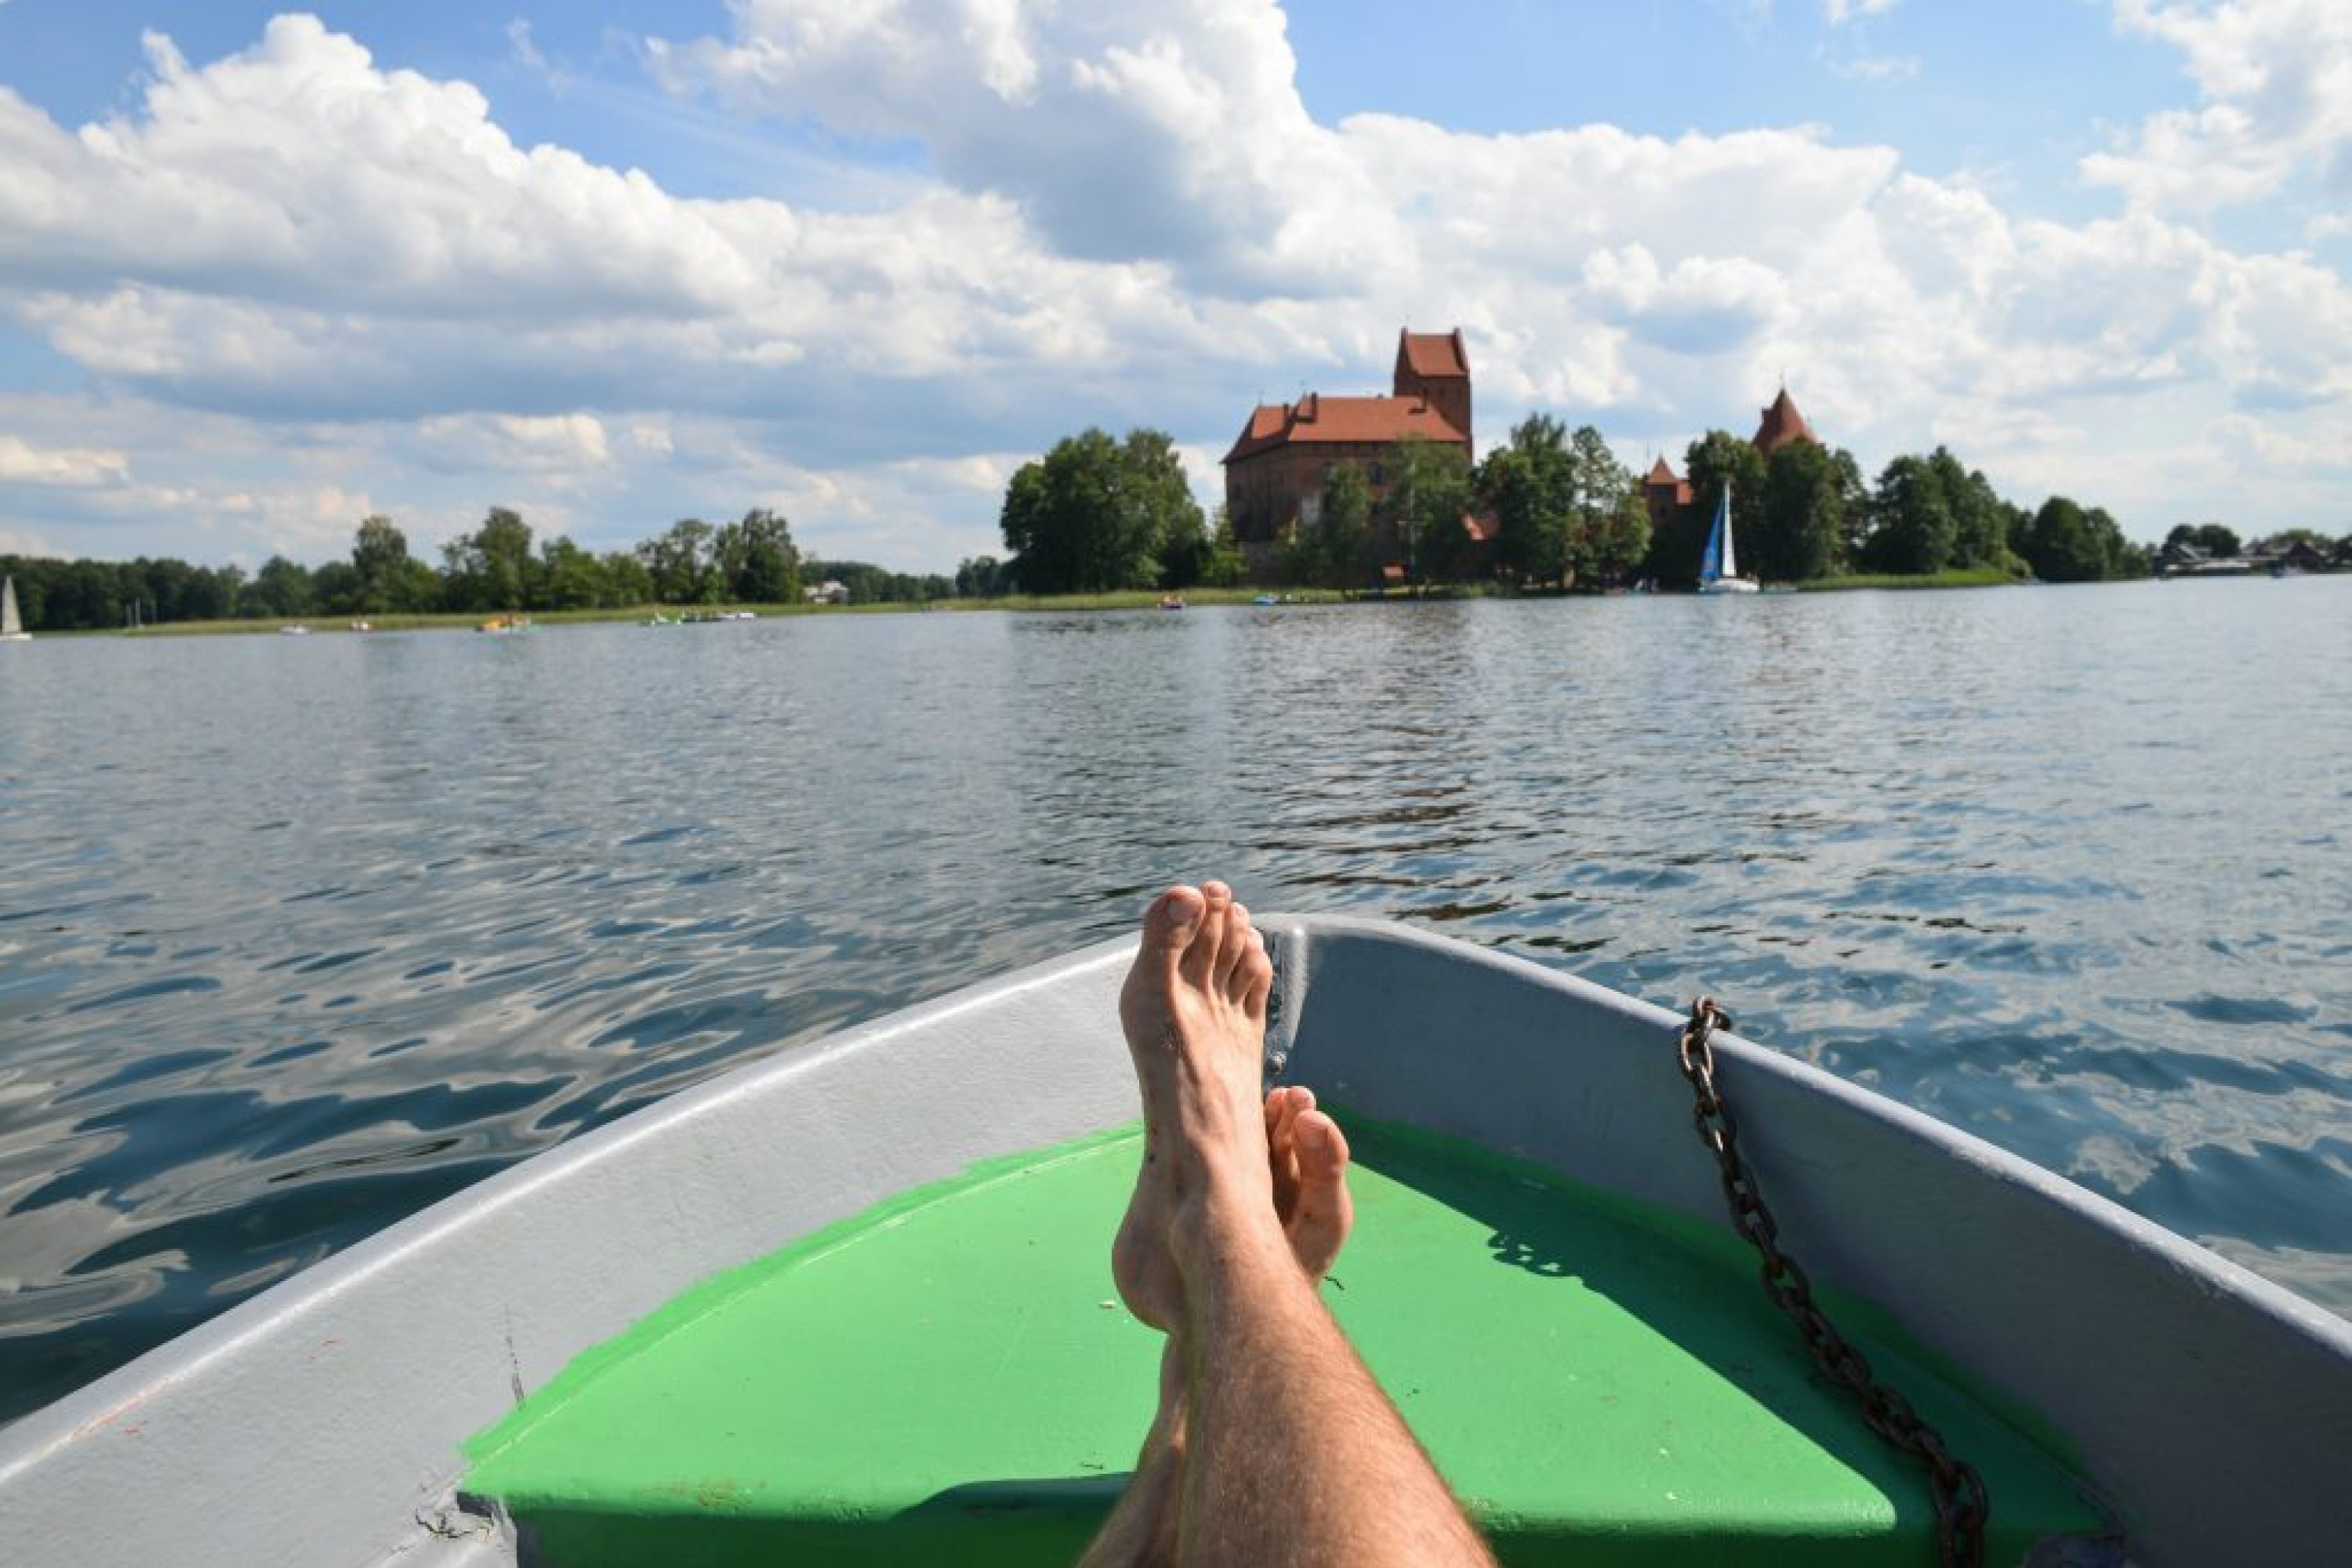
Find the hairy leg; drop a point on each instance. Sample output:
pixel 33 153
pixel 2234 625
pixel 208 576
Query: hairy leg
pixel 1141 1528
pixel 1307 1159
pixel 1290 1451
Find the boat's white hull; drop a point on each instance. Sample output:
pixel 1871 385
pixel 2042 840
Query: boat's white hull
pixel 1727 585
pixel 320 1421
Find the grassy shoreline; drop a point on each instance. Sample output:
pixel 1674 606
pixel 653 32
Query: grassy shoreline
pixel 338 626
pixel 1016 603
pixel 1969 577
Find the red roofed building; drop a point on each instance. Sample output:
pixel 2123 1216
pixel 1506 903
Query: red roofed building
pixel 1782 424
pixel 1276 472
pixel 1664 494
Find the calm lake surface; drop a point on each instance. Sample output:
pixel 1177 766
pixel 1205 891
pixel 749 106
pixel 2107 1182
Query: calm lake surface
pixel 300 935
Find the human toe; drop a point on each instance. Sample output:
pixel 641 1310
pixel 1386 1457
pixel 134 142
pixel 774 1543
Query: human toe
pixel 1173 919
pixel 1207 938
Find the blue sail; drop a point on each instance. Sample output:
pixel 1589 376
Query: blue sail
pixel 1710 562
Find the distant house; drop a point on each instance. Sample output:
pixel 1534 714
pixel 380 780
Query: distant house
pixel 827 593
pixel 2186 559
pixel 1287 453
pixel 2295 555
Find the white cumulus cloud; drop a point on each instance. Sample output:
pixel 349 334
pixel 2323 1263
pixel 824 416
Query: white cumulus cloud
pixel 503 443
pixel 2275 84
pixel 1122 214
pixel 81 466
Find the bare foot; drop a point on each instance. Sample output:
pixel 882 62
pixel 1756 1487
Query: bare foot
pixel 1193 1011
pixel 1308 1157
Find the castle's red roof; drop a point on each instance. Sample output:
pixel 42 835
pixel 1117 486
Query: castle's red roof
pixel 1333 421
pixel 1782 424
pixel 1434 355
pixel 1662 478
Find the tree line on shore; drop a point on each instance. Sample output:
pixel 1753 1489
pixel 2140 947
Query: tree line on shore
pixel 494 569
pixel 1098 514
pixel 1554 509
pixel 1806 514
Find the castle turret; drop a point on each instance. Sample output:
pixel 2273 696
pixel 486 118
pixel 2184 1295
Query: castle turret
pixel 1782 424
pixel 1434 368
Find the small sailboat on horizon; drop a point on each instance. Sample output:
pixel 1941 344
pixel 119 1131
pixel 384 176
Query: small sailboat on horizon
pixel 1718 569
pixel 12 624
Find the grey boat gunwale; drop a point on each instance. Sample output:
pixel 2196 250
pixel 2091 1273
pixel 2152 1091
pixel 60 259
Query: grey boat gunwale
pixel 319 1422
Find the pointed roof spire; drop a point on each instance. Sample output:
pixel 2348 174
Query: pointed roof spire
pixel 1782 424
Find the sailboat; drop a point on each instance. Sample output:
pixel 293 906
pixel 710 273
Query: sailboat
pixel 1719 570
pixel 12 624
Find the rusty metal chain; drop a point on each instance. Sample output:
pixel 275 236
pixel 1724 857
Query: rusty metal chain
pixel 1962 1505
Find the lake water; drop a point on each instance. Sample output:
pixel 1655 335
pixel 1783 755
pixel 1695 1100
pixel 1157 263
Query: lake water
pixel 298 935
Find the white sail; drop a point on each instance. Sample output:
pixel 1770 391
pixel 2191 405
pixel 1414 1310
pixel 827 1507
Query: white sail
pixel 12 624
pixel 1718 569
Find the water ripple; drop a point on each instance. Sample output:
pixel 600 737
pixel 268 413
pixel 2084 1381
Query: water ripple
pixel 298 935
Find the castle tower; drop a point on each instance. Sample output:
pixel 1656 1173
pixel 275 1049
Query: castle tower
pixel 1434 368
pixel 1782 424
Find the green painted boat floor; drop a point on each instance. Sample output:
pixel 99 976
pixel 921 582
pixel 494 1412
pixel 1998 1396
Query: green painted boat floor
pixel 951 1378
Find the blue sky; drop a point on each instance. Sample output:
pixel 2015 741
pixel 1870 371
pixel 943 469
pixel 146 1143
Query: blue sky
pixel 264 272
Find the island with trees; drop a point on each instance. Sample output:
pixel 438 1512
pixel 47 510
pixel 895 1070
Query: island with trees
pixel 1550 509
pixel 1335 496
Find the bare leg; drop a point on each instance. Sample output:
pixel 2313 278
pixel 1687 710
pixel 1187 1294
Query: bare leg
pixel 1290 1452
pixel 1307 1158
pixel 1141 1528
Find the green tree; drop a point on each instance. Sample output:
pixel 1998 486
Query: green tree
pixel 1606 518
pixel 1429 490
pixel 335 588
pixel 1978 518
pixel 981 577
pixel 1171 520
pixel 758 559
pixel 490 568
pixel 1095 513
pixel 2210 537
pixel 570 577
pixel 1913 531
pixel 626 581
pixel 2069 544
pixel 1331 546
pixel 1622 543
pixel 1805 516
pixel 681 565
pixel 2016 530
pixel 1033 530
pixel 1853 509
pixel 282 589
pixel 1223 565
pixel 870 584
pixel 1530 485
pixel 2124 559
pixel 385 575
